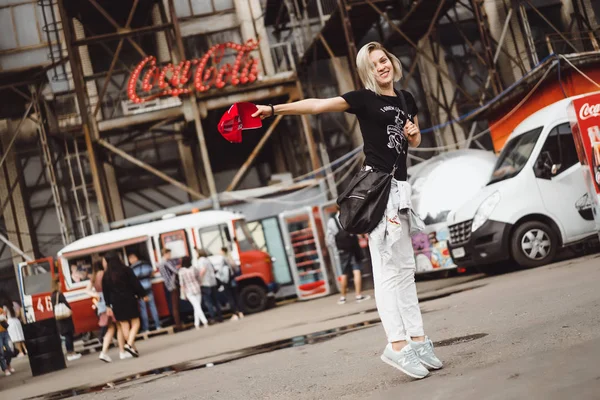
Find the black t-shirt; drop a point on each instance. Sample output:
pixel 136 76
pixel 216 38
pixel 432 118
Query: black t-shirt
pixel 382 120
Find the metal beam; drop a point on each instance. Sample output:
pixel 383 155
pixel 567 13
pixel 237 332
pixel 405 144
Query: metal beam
pixel 113 62
pixel 413 44
pixel 552 26
pixel 137 203
pixel 425 37
pixel 87 122
pixel 167 195
pixel 14 248
pixel 242 171
pixel 212 187
pixel 151 200
pixel 149 168
pixel 123 32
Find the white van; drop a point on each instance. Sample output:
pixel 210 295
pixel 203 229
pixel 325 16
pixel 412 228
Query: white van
pixel 535 202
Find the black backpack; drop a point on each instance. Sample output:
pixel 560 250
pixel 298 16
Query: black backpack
pixel 345 240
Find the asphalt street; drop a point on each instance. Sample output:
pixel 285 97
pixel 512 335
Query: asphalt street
pixel 528 334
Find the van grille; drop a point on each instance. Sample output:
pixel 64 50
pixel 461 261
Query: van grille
pixel 461 232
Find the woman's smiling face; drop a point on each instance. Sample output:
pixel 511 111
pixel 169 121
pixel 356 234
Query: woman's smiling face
pixel 382 67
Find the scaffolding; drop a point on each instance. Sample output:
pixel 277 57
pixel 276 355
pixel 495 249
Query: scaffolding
pixel 465 61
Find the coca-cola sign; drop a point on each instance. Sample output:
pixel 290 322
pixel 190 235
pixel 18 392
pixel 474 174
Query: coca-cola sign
pixel 149 81
pixel 588 111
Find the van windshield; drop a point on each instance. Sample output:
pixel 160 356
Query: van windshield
pixel 514 156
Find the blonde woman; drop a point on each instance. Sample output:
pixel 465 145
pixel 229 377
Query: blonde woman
pixel 388 129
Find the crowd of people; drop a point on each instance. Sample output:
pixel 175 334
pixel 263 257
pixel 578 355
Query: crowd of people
pixel 12 339
pixel 123 294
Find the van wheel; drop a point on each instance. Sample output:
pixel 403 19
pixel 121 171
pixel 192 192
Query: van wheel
pixel 534 244
pixel 253 298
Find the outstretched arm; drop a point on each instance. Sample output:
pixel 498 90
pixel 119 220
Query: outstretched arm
pixel 303 107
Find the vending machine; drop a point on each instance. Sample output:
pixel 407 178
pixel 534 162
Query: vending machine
pixel 584 115
pixel 303 238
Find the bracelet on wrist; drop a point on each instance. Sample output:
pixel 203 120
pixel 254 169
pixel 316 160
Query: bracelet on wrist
pixel 272 110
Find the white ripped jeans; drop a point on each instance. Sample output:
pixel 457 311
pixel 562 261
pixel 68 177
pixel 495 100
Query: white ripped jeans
pixel 394 268
pixel 196 301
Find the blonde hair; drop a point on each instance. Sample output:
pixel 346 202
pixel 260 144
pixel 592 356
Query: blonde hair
pixel 366 71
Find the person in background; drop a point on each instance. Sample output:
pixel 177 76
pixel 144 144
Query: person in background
pixel 14 315
pixel 5 351
pixel 349 251
pixel 108 324
pixel 191 281
pixel 15 329
pixel 225 273
pixel 65 326
pixel 209 285
pixel 144 271
pixel 122 291
pixel 168 271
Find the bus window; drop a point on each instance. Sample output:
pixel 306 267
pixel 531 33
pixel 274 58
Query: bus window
pixel 37 277
pixel 214 238
pixel 140 250
pixel 80 269
pixel 177 242
pixel 243 236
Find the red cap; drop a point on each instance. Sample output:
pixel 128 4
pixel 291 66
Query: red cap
pixel 238 118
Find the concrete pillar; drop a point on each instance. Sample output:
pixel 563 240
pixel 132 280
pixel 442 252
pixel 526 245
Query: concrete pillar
pixel 247 11
pixel 112 184
pixel 442 90
pixel 15 216
pixel 341 69
pixel 162 48
pixel 513 43
pixel 593 13
pixel 189 165
pixel 279 154
pixel 86 68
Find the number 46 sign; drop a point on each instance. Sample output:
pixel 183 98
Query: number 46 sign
pixel 42 306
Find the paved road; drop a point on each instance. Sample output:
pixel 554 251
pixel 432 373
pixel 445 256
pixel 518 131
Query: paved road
pixel 534 335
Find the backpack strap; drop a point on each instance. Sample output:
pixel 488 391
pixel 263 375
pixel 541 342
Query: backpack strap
pixel 337 222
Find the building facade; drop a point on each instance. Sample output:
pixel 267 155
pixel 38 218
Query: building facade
pixel 110 108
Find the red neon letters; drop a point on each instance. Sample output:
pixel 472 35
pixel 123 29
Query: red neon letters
pixel 205 73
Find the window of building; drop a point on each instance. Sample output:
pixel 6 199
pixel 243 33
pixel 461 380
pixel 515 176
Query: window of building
pixel 196 8
pixel 197 45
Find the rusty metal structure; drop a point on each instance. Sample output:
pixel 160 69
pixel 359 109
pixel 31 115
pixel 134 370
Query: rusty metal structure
pixel 77 155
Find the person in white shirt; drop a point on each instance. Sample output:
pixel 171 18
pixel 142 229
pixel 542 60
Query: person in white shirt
pixel 225 273
pixel 190 282
pixel 209 286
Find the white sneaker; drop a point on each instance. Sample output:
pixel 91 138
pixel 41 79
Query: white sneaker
pixel 405 360
pixel 342 300
pixel 124 355
pixel 234 317
pixel 7 373
pixel 105 357
pixel 73 357
pixel 424 350
pixel 362 298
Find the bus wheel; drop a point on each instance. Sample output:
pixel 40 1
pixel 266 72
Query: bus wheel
pixel 253 298
pixel 533 244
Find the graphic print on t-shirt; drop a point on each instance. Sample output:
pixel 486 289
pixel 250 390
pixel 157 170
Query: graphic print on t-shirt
pixel 396 138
